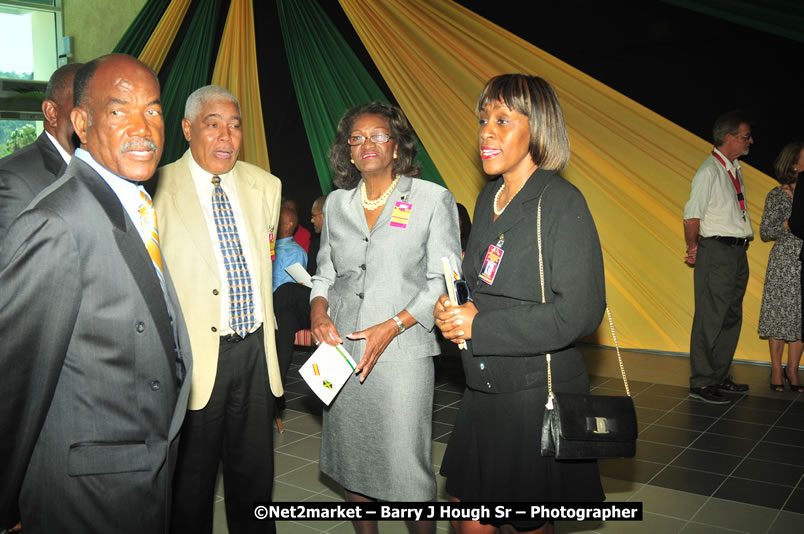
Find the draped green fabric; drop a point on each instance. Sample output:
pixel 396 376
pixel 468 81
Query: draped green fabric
pixel 192 68
pixel 141 29
pixel 784 18
pixel 329 79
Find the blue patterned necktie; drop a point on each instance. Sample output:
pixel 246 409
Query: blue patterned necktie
pixel 241 294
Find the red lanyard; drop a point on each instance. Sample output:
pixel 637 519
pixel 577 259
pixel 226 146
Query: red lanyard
pixel 734 180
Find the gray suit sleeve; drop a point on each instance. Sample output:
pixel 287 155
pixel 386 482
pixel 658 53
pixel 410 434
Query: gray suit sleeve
pixel 39 301
pixel 15 195
pixel 443 239
pixel 325 272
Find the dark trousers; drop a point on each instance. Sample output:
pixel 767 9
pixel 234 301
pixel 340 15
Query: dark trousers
pixel 236 427
pixel 721 276
pixel 292 310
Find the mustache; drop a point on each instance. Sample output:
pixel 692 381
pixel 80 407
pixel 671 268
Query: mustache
pixel 139 144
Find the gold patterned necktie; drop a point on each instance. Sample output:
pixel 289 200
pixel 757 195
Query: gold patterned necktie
pixel 241 293
pixel 148 222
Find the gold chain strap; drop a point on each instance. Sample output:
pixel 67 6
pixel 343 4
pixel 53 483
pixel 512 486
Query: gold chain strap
pixel 541 279
pixel 619 358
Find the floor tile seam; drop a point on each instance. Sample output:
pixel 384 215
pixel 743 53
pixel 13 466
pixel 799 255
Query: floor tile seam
pixel 308 490
pixel 323 494
pixel 684 449
pixel 775 518
pixel 450 405
pixel 306 435
pixel 294 442
pixel 440 435
pixel 300 458
pixel 781 508
pixel 791 428
pixel 709 498
pixel 748 454
pixel 285 420
pixel 766 482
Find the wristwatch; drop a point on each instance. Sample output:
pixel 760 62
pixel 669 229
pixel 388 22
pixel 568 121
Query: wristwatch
pixel 400 326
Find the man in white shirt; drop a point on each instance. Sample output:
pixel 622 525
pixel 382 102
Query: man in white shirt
pixel 217 219
pixel 717 230
pixel 27 171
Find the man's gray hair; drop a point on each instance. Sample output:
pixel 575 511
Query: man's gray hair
pixel 204 94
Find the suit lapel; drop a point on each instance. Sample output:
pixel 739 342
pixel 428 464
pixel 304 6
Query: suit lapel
pixel 356 205
pixel 134 253
pixel 400 193
pixel 252 204
pixel 185 198
pixel 50 156
pixel 520 207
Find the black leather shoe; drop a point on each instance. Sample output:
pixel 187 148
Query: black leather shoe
pixel 731 387
pixel 709 394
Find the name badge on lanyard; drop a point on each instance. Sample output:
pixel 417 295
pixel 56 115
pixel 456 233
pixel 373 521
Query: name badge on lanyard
pixel 491 263
pixel 735 182
pixel 401 214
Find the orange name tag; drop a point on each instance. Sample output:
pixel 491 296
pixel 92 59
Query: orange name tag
pixel 490 265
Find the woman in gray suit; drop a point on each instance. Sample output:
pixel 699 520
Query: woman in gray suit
pixel 379 272
pixel 493 451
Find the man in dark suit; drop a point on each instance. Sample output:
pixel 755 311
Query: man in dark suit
pixel 95 374
pixel 26 172
pixel 315 242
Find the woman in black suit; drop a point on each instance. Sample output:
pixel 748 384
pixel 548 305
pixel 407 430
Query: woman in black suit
pixel 493 452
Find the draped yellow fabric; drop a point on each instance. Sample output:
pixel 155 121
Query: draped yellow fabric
pixel 236 70
pixel 634 167
pixel 158 45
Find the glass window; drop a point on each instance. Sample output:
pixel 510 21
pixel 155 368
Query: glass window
pixel 28 38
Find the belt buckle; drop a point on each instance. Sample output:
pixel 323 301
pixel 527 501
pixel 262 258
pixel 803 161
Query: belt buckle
pixel 233 338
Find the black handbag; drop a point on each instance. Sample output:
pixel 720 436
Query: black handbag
pixel 586 427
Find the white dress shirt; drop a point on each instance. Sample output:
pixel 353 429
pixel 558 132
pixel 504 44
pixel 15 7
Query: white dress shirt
pixel 63 153
pixel 713 200
pixel 203 186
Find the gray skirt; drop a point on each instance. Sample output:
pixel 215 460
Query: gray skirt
pixel 377 436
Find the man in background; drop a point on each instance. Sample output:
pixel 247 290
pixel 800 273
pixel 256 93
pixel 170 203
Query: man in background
pixel 717 230
pixel 27 171
pixel 315 242
pixel 302 234
pixel 291 299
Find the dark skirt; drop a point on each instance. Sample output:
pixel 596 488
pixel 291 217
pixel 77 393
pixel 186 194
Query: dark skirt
pixel 493 453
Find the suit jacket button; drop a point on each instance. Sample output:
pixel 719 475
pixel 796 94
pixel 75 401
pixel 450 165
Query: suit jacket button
pixel 155 385
pixel 482 366
pixel 214 329
pixel 363 266
pixel 488 385
pixel 360 295
pixel 365 239
pixel 214 291
pixel 140 327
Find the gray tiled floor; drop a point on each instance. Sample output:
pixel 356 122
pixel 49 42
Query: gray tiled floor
pixel 699 469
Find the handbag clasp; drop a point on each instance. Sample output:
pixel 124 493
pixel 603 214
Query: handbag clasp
pixel 600 426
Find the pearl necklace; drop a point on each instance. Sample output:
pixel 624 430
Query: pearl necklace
pixel 497 198
pixel 372 205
